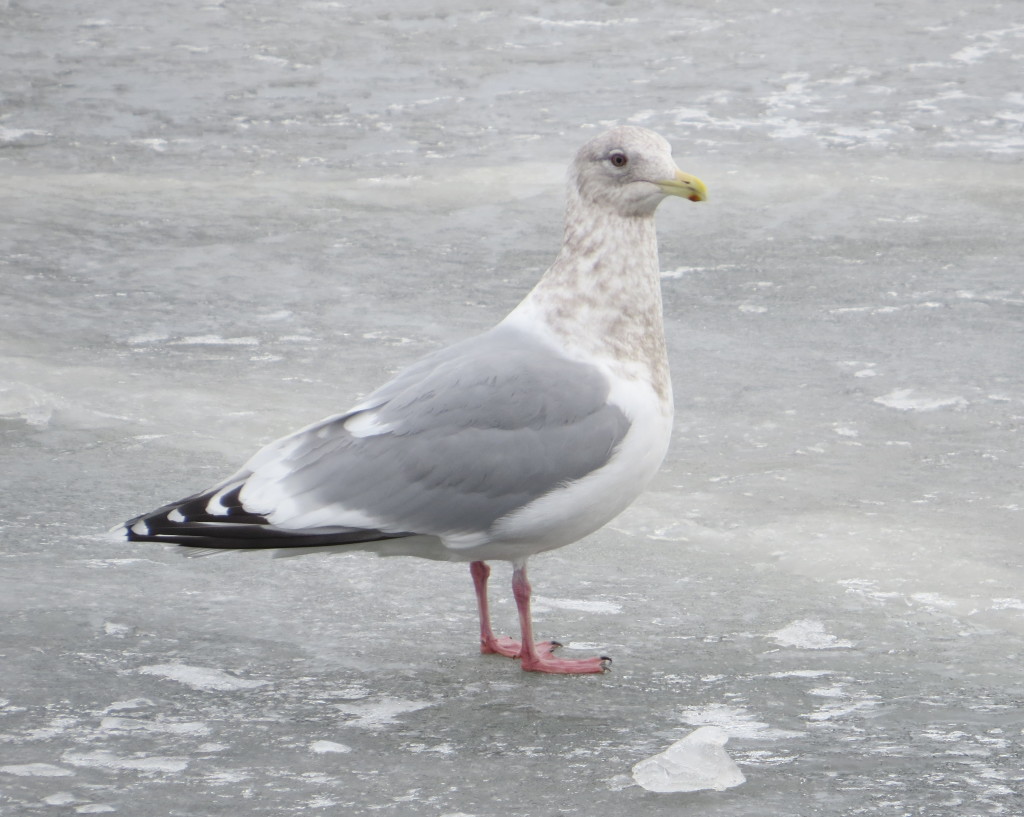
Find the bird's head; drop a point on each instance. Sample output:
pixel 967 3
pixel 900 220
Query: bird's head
pixel 629 171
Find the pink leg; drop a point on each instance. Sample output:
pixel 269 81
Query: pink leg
pixel 489 643
pixel 532 660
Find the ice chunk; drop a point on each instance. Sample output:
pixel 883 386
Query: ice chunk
pixel 698 761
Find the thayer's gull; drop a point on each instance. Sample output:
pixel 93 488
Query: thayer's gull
pixel 520 440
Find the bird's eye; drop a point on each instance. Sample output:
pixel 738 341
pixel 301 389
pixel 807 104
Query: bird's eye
pixel 618 158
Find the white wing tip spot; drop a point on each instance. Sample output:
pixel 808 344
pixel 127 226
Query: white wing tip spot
pixel 365 424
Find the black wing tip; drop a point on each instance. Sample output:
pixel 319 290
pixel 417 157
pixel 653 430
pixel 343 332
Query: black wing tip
pixel 214 514
pixel 236 530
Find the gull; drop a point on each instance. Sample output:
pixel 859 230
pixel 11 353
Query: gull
pixel 520 440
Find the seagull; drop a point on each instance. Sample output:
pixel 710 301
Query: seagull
pixel 520 440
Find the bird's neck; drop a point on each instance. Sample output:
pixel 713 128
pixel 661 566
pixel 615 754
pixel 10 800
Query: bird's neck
pixel 602 295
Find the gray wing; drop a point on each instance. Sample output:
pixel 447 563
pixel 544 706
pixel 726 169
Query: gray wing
pixel 452 444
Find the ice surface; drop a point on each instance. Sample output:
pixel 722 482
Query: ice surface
pixel 698 761
pixel 222 221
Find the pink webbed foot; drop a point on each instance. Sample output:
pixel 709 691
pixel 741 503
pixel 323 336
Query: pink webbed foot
pixel 565 666
pixel 533 660
pixel 535 656
pixel 510 648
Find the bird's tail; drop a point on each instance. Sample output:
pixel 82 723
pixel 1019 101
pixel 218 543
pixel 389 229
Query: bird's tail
pixel 216 519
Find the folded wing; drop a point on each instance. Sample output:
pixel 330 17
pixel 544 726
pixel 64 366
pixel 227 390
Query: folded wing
pixel 452 444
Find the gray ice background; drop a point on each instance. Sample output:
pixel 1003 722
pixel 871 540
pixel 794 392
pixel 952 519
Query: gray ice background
pixel 223 219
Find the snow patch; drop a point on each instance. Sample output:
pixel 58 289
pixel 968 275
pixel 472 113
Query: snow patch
pixel 196 728
pixel 201 678
pixel 102 759
pixel 36 770
pixel 734 720
pixel 911 400
pixel 583 605
pixel 60 798
pixel 214 340
pixel 382 713
pixel 805 634
pixel 22 137
pixel 322 747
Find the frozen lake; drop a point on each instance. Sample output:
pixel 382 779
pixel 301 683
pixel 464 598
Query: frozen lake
pixel 220 221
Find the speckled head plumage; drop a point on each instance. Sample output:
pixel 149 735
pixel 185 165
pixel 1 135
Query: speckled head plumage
pixel 629 171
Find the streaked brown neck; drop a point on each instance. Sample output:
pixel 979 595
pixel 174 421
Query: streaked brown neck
pixel 602 295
